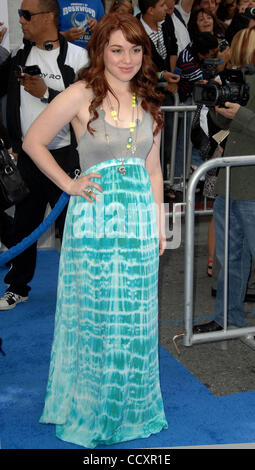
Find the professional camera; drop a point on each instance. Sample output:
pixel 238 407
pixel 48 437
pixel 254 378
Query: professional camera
pixel 234 87
pixel 29 69
pixel 210 67
pixel 250 12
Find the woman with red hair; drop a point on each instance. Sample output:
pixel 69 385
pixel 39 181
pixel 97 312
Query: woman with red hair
pixel 103 383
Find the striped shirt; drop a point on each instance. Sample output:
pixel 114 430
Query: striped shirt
pixel 156 37
pixel 190 72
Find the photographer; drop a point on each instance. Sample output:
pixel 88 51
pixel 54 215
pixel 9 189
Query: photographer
pixel 190 63
pixel 240 121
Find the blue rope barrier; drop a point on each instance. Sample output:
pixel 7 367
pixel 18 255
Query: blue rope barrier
pixel 37 233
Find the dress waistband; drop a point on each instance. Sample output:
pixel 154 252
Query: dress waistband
pixel 115 162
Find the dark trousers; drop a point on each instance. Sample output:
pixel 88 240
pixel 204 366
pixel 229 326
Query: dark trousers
pixel 30 212
pixel 6 229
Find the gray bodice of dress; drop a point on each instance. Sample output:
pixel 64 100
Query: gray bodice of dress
pixel 94 149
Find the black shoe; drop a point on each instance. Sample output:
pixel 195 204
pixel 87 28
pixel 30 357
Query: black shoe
pixel 207 327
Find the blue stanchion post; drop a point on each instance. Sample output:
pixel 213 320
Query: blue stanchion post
pixel 37 233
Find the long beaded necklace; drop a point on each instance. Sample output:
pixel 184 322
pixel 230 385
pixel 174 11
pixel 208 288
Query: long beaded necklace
pixel 131 141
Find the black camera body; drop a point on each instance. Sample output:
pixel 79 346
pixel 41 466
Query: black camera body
pixel 29 69
pixel 234 87
pixel 210 68
pixel 250 12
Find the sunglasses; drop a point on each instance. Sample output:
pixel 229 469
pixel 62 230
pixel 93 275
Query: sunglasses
pixel 27 15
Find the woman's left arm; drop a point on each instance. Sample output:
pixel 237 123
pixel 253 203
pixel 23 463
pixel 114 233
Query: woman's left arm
pixel 153 167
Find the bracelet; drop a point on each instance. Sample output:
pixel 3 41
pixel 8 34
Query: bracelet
pixel 160 75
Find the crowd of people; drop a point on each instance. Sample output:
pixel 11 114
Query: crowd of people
pixel 94 110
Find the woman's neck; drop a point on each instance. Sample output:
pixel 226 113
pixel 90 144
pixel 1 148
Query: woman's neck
pixel 119 87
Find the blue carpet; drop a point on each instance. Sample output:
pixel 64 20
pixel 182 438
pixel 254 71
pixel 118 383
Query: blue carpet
pixel 195 416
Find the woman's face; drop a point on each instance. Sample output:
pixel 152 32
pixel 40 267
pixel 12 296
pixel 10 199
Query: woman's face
pixel 122 59
pixel 204 22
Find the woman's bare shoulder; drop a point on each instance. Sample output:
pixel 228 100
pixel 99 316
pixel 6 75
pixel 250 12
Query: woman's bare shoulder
pixel 79 90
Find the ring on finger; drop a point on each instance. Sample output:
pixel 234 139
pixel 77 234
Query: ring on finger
pixel 89 191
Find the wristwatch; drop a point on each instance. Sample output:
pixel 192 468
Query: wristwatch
pixel 45 98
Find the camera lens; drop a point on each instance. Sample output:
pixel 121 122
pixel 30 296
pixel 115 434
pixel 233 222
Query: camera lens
pixel 250 12
pixel 210 94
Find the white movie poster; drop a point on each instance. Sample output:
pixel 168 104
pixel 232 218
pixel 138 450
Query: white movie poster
pixel 4 19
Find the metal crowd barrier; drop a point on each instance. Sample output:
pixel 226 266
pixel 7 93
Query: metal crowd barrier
pixel 187 148
pixel 245 333
pixel 174 135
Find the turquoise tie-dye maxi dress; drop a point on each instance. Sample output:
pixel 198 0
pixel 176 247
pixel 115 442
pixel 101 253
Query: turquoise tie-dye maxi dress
pixel 103 385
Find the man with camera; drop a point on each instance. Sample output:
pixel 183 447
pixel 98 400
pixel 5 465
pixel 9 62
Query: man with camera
pixel 236 114
pixel 40 69
pixel 190 62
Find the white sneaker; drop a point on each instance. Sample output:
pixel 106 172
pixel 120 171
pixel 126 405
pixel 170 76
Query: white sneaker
pixel 9 300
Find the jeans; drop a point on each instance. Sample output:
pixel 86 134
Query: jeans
pixel 241 242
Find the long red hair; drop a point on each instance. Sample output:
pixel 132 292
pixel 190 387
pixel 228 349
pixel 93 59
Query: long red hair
pixel 144 83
